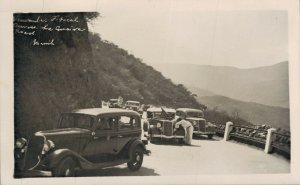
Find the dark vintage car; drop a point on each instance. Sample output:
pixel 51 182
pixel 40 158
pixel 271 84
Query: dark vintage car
pixel 160 125
pixel 196 117
pixel 85 139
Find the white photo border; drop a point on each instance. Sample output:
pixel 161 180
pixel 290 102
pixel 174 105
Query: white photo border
pixel 8 7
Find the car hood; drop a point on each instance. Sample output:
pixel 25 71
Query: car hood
pixel 194 119
pixel 62 131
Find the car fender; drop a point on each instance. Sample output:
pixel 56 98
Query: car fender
pixel 54 158
pixel 151 128
pixel 154 129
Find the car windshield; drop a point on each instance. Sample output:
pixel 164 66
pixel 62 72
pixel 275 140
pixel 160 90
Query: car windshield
pixel 195 114
pixel 160 115
pixel 113 101
pixel 75 120
pixel 133 104
pixel 153 114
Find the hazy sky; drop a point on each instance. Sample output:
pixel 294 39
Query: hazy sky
pixel 185 32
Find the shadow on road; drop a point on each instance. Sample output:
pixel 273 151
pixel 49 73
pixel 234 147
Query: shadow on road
pixel 206 138
pixel 167 142
pixel 116 171
pixel 172 143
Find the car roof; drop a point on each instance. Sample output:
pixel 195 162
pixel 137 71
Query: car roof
pixel 133 101
pixel 113 99
pixel 192 118
pixel 156 109
pixel 100 111
pixel 188 110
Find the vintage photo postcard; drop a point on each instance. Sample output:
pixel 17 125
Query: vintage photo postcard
pixel 152 92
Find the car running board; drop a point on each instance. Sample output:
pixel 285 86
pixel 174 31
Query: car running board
pixel 87 165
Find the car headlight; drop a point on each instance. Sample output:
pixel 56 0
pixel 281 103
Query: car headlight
pixel 158 125
pixel 21 142
pixel 48 145
pixel 194 123
pixel 176 126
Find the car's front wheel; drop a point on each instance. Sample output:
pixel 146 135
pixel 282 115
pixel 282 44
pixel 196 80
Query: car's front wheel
pixel 136 159
pixel 66 168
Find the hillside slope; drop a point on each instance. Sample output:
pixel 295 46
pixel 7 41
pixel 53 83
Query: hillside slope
pixel 79 72
pixel 124 75
pixel 253 112
pixel 266 85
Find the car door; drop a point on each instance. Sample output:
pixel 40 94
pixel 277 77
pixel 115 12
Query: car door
pixel 103 138
pixel 129 127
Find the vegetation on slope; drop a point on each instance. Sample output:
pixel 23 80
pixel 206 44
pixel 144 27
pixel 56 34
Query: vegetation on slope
pixel 78 72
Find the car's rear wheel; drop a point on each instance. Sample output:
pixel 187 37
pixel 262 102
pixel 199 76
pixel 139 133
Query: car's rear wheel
pixel 210 136
pixel 136 159
pixel 66 168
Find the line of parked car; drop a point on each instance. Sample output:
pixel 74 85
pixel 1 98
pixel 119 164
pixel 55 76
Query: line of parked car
pixel 96 138
pixel 160 123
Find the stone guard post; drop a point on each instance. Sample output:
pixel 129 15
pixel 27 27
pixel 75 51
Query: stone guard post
pixel 228 128
pixel 270 137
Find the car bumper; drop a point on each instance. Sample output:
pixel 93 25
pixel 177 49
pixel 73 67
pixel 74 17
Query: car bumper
pixel 203 133
pixel 34 173
pixel 164 136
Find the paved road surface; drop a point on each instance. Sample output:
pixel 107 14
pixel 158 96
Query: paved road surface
pixel 204 157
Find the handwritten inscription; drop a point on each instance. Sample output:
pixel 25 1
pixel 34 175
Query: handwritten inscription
pixel 47 43
pixel 46 26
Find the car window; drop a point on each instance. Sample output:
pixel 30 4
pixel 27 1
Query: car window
pixel 195 114
pixel 179 113
pixel 83 122
pixel 76 120
pixel 106 123
pixel 127 123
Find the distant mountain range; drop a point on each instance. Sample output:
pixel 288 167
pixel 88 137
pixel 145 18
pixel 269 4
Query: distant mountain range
pixel 258 95
pixel 265 85
pixel 253 112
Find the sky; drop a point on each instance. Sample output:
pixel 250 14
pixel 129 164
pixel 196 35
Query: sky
pixel 195 32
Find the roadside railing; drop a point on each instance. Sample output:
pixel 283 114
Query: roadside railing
pixel 282 144
pixel 268 139
pixel 220 129
pixel 249 135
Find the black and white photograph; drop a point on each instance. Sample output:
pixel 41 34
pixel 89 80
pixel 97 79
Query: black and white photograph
pixel 152 89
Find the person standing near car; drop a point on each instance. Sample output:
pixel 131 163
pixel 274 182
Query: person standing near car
pixel 188 128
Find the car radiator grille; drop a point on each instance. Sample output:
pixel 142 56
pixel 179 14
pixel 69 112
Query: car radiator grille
pixel 34 149
pixel 168 128
pixel 202 126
